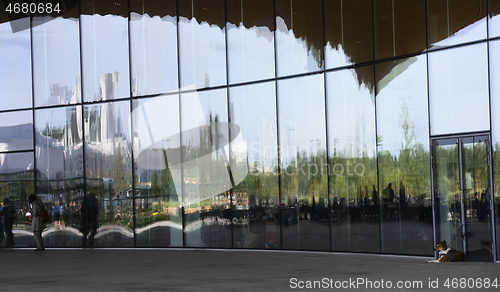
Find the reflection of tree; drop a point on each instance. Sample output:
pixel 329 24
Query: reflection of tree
pixel 496 169
pixel 411 166
pixel 56 133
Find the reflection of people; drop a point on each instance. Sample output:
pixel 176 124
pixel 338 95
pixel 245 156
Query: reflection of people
pixel 483 204
pixel 57 215
pixel 389 193
pixel 402 194
pixel 374 196
pixel 90 210
pixel 37 226
pixel 9 215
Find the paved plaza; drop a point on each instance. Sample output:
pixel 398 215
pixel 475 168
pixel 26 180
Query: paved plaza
pixel 231 270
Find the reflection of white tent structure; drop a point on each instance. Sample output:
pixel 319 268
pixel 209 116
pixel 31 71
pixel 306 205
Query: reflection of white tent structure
pixel 205 166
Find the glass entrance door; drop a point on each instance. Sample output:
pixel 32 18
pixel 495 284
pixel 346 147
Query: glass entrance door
pixel 461 183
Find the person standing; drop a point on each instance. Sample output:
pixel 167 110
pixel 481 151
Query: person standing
pixel 37 226
pixel 9 216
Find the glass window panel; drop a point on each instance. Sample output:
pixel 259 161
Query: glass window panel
pixel 105 50
pixel 16 131
pixel 495 130
pixel 153 46
pixel 56 58
pixel 16 184
pixel 453 22
pixel 353 161
pixel 349 34
pixel 304 185
pixel 108 169
pixel 299 36
pixel 155 122
pixel 250 40
pixel 15 61
pixel 399 27
pixel 494 18
pixel 404 158
pixel 207 198
pixel 458 90
pixel 202 43
pixel 254 151
pixel 59 164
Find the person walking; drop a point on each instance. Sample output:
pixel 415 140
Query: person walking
pixel 37 226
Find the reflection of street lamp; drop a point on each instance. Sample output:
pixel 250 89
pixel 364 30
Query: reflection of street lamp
pixel 335 146
pixel 290 130
pixel 312 148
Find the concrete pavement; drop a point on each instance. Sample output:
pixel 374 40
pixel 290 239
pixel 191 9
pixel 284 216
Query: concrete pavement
pixel 231 270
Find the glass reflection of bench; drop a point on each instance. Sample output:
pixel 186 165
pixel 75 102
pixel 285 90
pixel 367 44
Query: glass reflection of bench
pixel 269 245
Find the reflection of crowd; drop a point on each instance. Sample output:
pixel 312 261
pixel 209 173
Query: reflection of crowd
pixel 476 206
pixel 390 206
pixel 480 205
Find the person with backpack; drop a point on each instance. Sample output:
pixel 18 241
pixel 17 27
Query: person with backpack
pixel 37 225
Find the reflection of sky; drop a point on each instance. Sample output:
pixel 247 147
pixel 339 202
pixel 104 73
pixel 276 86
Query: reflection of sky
pixel 404 97
pixel 302 125
pixel 495 89
pixel 56 59
pixel 458 85
pixel 494 26
pixel 351 116
pixel 104 51
pixel 472 32
pixel 335 56
pixel 293 54
pixel 15 67
pixel 153 49
pixel 13 118
pixel 155 119
pixel 250 53
pixel 253 110
pixel 458 90
pixel 202 52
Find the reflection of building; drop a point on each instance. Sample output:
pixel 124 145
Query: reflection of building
pixel 340 104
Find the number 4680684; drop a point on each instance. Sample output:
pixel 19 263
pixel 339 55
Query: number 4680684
pixel 471 283
pixel 33 8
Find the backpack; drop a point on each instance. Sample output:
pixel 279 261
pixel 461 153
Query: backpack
pixel 44 214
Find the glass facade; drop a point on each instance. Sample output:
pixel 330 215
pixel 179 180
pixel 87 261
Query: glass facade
pixel 335 125
pixel 403 156
pixel 354 213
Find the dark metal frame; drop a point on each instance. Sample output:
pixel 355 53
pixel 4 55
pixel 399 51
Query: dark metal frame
pixel 459 138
